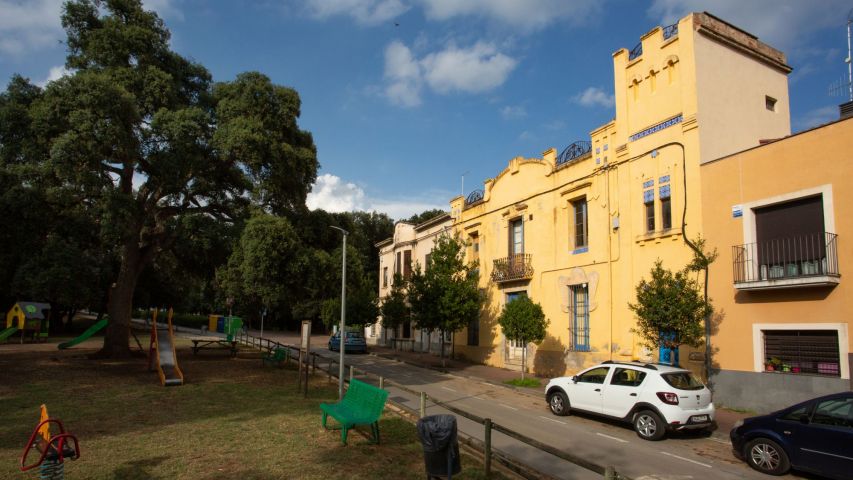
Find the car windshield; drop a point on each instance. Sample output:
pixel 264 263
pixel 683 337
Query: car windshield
pixel 683 381
pixel 353 335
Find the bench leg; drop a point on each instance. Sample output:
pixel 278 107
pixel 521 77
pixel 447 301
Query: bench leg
pixel 344 430
pixel 324 419
pixel 374 427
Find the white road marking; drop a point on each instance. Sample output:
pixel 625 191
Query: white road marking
pixel 553 420
pixel 448 388
pixel 687 459
pixel 507 406
pixel 612 438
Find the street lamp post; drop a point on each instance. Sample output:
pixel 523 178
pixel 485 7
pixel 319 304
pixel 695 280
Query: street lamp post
pixel 342 328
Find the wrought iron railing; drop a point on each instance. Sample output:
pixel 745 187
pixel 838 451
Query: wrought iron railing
pixel 786 258
pixel 574 151
pixel 474 198
pixel 670 31
pixel 513 267
pixel 636 51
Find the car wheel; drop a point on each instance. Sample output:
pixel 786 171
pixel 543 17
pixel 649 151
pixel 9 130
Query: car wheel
pixel 767 456
pixel 330 347
pixel 558 402
pixel 649 425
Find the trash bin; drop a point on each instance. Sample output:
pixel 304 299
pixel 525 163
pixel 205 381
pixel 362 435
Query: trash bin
pixel 441 446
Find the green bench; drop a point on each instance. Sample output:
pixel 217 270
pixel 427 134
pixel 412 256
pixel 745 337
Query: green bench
pixel 362 405
pixel 277 356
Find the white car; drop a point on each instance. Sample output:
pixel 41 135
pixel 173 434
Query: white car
pixel 654 398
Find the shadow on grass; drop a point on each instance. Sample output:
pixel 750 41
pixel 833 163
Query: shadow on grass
pixel 138 469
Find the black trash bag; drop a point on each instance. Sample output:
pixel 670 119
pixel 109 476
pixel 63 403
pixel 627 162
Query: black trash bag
pixel 441 446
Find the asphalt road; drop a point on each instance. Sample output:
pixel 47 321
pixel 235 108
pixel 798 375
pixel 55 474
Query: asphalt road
pixel 679 456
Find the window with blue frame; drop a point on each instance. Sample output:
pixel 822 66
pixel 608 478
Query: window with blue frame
pixel 580 317
pixel 580 220
pixel 665 202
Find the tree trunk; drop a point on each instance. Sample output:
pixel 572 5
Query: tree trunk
pixel 441 342
pixel 120 304
pixel 523 361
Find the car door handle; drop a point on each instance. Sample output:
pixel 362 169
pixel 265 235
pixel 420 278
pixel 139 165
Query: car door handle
pixel 633 394
pixel 597 389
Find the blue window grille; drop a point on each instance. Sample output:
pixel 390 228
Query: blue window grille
pixel 664 191
pixel 649 183
pixel 664 179
pixel 580 317
pixel 648 196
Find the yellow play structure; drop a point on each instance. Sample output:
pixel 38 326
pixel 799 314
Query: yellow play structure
pixel 28 318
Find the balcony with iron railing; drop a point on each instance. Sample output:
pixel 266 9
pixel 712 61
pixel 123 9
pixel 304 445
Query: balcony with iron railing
pixel 514 267
pixel 474 198
pixel 799 261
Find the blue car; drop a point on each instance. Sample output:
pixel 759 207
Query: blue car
pixel 354 342
pixel 814 436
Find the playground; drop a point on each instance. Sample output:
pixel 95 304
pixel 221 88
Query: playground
pixel 232 418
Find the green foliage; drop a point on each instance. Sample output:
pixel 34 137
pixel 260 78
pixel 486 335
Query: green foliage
pixel 422 217
pixel 670 309
pixel 395 307
pixel 444 296
pixel 523 319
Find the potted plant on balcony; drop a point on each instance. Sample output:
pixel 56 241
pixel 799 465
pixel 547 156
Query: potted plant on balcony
pixel 772 364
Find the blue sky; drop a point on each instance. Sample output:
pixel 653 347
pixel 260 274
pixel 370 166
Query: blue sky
pixel 404 96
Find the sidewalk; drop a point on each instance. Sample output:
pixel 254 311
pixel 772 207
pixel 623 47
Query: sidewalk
pixel 725 418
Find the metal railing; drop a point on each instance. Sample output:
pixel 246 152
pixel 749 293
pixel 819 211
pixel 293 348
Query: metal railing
pixel 513 267
pixel 474 198
pixel 485 446
pixel 575 151
pixel 786 258
pixel 670 31
pixel 636 52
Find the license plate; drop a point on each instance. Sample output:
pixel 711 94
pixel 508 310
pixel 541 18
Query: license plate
pixel 699 418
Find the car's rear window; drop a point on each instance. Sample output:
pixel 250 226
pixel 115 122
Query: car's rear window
pixel 683 381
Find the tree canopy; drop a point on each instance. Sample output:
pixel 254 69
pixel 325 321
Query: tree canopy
pixel 422 217
pixel 523 320
pixel 395 307
pixel 670 309
pixel 143 139
pixel 443 295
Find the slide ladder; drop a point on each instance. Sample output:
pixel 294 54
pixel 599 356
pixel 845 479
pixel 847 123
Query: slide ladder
pixel 97 327
pixel 162 340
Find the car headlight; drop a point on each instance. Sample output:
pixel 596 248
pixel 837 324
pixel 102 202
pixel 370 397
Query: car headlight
pixel 738 424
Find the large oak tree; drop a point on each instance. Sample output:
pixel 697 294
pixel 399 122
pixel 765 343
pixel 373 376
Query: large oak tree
pixel 143 138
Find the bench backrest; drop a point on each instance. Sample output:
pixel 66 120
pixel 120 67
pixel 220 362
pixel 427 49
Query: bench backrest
pixel 365 398
pixel 280 353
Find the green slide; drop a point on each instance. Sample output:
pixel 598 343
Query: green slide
pixel 88 333
pixel 7 333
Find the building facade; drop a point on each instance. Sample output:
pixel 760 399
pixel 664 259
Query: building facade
pixel 577 231
pixel 780 216
pixel 410 246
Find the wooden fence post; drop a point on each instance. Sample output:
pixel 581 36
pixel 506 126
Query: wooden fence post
pixel 423 405
pixel 487 441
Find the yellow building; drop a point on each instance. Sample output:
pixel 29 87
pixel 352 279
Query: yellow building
pixel 780 216
pixel 577 231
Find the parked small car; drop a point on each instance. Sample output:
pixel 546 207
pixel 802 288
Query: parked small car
pixel 354 342
pixel 814 436
pixel 654 398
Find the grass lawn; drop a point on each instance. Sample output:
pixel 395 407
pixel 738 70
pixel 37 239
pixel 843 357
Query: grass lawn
pixel 527 382
pixel 233 419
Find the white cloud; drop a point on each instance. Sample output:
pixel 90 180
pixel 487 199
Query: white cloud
pixel 476 69
pixel 332 194
pixel 783 24
pixel 594 97
pixel 816 117
pixel 365 12
pixel 527 15
pixel 403 74
pixel 31 25
pixel 55 73
pixel 511 112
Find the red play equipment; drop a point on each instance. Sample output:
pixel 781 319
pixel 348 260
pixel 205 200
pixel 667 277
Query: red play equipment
pixel 53 449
